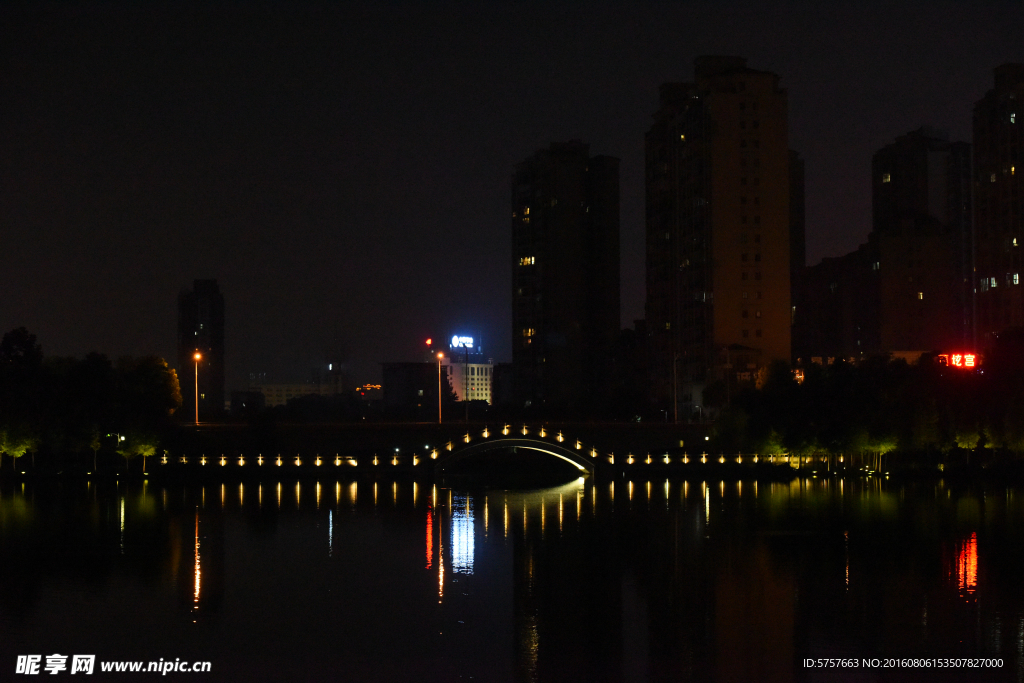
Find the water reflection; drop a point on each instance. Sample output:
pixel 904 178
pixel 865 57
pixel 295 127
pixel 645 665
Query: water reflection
pixel 812 568
pixel 463 535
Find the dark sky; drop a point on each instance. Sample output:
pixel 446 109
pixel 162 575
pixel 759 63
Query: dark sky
pixel 344 172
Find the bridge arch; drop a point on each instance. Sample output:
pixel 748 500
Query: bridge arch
pixel 556 450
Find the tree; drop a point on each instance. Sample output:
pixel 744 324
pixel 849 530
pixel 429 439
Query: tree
pixel 16 441
pixel 137 443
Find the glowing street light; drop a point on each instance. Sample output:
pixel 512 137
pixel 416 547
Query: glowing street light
pixel 439 357
pixel 198 357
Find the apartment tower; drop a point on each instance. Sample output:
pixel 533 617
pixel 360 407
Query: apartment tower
pixel 565 281
pixel 720 233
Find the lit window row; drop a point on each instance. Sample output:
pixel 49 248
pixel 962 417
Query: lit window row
pixel 529 332
pixel 527 261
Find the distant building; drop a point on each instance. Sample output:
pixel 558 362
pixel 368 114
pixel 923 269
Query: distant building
pixel 721 235
pixel 999 204
pixel 471 372
pixel 411 390
pixel 837 308
pixel 909 289
pixel 921 207
pixel 565 276
pixel 279 394
pixel 201 329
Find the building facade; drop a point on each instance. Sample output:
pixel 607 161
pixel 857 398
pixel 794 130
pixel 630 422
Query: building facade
pixel 720 233
pixel 565 282
pixel 921 219
pixel 999 204
pixel 201 330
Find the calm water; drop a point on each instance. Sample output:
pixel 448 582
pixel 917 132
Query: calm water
pixel 593 581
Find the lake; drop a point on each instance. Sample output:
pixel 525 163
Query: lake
pixel 594 580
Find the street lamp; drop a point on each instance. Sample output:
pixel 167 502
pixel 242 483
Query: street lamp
pixel 439 357
pixel 197 357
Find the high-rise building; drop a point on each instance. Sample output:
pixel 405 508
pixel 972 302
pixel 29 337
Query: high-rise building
pixel 565 282
pixel 201 329
pixel 921 205
pixel 720 233
pixel 999 204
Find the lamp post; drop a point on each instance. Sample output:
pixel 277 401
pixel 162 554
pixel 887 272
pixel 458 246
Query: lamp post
pixel 439 357
pixel 197 357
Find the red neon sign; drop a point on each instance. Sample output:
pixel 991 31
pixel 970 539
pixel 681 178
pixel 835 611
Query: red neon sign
pixel 958 360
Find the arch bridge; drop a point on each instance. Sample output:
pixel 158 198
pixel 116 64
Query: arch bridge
pixel 541 440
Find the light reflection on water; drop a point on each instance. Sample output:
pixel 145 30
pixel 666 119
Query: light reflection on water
pixel 654 586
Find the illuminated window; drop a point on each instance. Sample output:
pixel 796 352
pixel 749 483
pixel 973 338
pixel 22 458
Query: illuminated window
pixel 1013 118
pixel 1014 241
pixel 886 177
pixel 1016 278
pixel 527 261
pixel 875 265
pixel 528 332
pixel 992 282
pixel 992 178
pixel 682 137
pixel 920 295
pixel 668 326
pixel 526 211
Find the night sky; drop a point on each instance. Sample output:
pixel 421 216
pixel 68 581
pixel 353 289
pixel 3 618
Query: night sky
pixel 344 172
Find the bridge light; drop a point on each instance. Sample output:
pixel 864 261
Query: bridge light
pixel 666 458
pixel 433 454
pixel 298 461
pixel 337 460
pixel 593 452
pixel 686 459
pixel 278 459
pixel 755 458
pixel 648 461
pixel 504 431
pixel 354 463
pixel 486 434
pixel 374 459
pixel 611 458
pixel 202 460
pixel 318 461
pixel 415 461
pixel 223 460
pixel 259 460
pixel 524 430
pixel 543 433
pixel 739 458
pixel 184 460
pixel 466 437
pixel 721 459
pixel 629 460
pixel 560 437
pixel 163 460
pixel 578 444
pixel 394 460
pixel 448 445
pixel 241 460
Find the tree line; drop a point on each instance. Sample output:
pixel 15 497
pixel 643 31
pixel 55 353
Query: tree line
pixel 67 407
pixel 882 405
